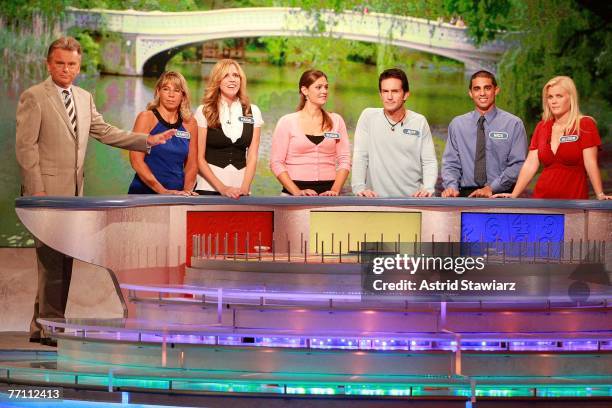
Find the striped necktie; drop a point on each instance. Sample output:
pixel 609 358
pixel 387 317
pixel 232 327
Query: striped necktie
pixel 70 109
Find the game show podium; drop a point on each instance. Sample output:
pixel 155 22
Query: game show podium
pixel 265 295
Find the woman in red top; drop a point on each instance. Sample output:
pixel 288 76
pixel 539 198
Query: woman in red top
pixel 566 143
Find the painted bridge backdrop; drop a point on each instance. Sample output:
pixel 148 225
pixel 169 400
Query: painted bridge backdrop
pixel 145 41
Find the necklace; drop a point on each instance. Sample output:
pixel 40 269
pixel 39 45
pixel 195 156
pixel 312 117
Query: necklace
pixel 393 125
pixel 229 110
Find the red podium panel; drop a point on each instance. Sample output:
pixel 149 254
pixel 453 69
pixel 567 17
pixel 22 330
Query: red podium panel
pixel 221 230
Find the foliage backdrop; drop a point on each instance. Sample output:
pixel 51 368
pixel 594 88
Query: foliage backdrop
pixel 549 37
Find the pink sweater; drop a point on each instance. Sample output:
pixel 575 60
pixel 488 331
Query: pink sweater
pixel 303 160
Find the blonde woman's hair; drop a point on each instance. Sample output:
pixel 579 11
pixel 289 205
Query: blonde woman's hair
pixel 212 95
pixel 178 80
pixel 565 82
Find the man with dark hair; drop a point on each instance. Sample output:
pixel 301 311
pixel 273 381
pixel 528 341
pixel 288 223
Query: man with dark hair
pixel 483 74
pixel 397 74
pixel 54 121
pixel 486 147
pixel 394 153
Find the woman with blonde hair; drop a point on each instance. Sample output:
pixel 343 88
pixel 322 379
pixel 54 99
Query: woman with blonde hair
pixel 169 168
pixel 229 128
pixel 566 143
pixel 310 152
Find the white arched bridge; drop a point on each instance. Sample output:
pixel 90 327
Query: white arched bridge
pixel 141 37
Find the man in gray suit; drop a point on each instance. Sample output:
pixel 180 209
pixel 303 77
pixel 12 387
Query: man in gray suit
pixel 54 121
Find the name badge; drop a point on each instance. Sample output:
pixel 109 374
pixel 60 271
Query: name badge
pixel 246 119
pixel 331 135
pixel 498 135
pixel 412 132
pixel 183 134
pixel 568 139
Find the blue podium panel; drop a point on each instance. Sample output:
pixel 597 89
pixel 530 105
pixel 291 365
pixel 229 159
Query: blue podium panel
pixel 543 233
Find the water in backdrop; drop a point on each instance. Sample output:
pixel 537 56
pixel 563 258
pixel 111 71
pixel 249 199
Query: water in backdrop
pixel 439 95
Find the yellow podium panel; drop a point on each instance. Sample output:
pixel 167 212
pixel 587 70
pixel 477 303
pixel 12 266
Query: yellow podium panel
pixel 331 228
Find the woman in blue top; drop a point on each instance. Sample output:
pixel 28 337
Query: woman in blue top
pixel 169 168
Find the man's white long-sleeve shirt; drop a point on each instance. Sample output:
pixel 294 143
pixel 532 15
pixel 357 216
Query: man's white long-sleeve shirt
pixel 393 163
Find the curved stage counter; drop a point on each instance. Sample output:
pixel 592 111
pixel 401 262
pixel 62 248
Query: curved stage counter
pixel 264 295
pixel 143 200
pixel 148 239
pixel 101 230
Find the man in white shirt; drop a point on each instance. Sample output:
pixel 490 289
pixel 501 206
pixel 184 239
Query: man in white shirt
pixel 394 153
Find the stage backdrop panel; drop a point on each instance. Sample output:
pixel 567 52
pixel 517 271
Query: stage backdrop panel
pixel 375 225
pixel 220 223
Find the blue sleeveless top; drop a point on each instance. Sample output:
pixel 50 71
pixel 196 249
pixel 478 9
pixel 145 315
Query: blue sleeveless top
pixel 166 161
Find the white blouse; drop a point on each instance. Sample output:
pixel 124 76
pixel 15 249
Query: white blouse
pixel 229 116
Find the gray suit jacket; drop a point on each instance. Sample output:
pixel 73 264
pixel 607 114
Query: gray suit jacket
pixel 49 153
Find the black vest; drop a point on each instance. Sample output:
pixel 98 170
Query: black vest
pixel 221 152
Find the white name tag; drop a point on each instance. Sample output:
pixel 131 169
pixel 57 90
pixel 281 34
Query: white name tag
pixel 412 132
pixel 246 119
pixel 331 135
pixel 183 134
pixel 568 138
pixel 498 135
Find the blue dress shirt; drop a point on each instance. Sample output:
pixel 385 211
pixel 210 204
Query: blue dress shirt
pixel 505 151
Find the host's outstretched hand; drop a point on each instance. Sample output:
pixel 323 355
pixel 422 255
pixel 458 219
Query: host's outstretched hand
pixel 160 138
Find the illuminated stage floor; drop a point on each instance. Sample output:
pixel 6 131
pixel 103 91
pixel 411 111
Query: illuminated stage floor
pixel 44 367
pixel 147 358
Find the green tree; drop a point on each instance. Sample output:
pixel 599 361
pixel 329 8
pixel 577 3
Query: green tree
pixel 91 59
pixel 143 5
pixel 484 18
pixel 570 38
pixel 19 13
pixel 277 49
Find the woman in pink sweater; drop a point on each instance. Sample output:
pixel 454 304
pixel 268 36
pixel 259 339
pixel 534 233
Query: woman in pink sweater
pixel 310 148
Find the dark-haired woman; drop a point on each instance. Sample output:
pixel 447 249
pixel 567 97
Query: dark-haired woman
pixel 310 148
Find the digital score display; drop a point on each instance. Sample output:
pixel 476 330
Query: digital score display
pixel 543 233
